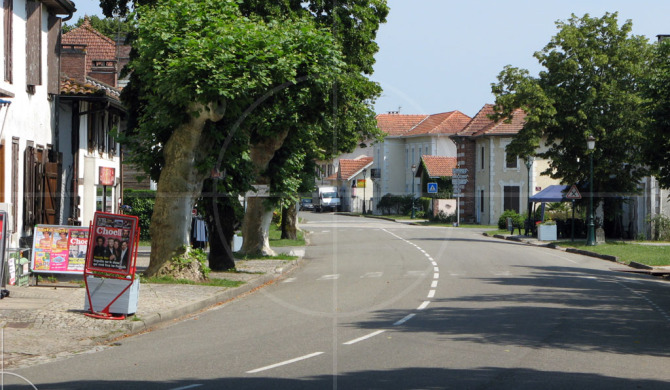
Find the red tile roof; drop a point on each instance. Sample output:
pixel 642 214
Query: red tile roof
pixel 439 166
pixel 398 124
pixel 98 46
pixel 72 87
pixel 350 168
pixel 482 125
pixel 444 123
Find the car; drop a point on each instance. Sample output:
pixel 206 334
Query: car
pixel 306 204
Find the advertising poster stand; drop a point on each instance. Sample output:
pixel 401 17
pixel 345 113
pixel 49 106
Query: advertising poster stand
pixel 3 263
pixel 109 275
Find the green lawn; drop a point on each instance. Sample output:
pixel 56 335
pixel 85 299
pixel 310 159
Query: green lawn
pixel 276 241
pixel 211 282
pixel 629 251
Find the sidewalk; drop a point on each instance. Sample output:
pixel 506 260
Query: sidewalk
pixel 46 322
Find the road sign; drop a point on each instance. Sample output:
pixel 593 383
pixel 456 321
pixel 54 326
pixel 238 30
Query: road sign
pixel 459 181
pixel 459 177
pixel 459 171
pixel 432 188
pixel 261 191
pixel 573 193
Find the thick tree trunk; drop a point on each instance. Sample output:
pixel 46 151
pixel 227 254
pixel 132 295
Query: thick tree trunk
pixel 257 219
pixel 289 222
pixel 179 185
pixel 256 228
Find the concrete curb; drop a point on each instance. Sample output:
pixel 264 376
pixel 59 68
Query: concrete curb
pixel 218 298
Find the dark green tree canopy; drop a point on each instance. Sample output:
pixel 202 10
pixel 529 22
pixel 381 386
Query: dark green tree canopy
pixel 590 86
pixel 657 151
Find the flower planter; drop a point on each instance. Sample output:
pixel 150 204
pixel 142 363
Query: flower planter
pixel 547 233
pixel 104 290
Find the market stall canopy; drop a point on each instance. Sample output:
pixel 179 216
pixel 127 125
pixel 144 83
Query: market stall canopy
pixel 551 194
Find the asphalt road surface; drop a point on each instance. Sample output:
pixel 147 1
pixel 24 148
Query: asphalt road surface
pixel 382 305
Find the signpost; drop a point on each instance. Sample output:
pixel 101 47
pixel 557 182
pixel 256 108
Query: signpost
pixel 432 188
pixel 111 288
pixel 3 231
pixel 459 179
pixel 573 194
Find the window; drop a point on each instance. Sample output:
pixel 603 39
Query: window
pixel 511 201
pixel 481 201
pixel 511 162
pixel 8 8
pixel 481 156
pixel 106 203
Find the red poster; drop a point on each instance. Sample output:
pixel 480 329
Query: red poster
pixel 107 176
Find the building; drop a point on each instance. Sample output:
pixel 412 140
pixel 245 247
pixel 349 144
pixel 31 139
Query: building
pixel 353 181
pixel 496 181
pixel 31 186
pixel 408 137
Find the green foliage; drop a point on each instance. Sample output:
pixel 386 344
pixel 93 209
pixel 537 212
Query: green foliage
pixel 190 255
pixel 396 204
pixel 657 90
pixel 442 217
pixel 141 204
pixel 112 28
pixel 590 86
pixel 517 219
pixel 661 227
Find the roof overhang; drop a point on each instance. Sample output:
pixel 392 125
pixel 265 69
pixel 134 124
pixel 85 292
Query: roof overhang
pixel 114 103
pixel 60 7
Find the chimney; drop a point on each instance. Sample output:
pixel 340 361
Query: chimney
pixel 73 61
pixel 104 71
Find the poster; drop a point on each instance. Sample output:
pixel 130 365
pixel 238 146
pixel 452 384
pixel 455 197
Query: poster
pixel 59 249
pixel 112 242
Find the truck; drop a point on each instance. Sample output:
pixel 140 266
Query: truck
pixel 326 198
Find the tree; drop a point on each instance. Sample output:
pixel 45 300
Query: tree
pixel 112 28
pixel 201 66
pixel 331 118
pixel 657 151
pixel 590 86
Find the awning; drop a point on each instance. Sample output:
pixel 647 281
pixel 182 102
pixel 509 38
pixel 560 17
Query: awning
pixel 551 194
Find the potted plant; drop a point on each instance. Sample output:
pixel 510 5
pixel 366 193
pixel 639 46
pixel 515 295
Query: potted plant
pixel 547 231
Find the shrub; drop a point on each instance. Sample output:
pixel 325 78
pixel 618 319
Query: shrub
pixel 140 204
pixel 443 217
pixel 661 225
pixel 517 219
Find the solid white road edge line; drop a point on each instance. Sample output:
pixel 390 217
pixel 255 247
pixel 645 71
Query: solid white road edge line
pixel 311 355
pixel 373 334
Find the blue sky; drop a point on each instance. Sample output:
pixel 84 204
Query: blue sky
pixel 443 55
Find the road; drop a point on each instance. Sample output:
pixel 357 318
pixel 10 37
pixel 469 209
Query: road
pixel 382 305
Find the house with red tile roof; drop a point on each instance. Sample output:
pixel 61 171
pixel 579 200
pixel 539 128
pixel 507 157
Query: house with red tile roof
pixel 408 137
pixel 353 180
pixel 31 188
pixel 496 181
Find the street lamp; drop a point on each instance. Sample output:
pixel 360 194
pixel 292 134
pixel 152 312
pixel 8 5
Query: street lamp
pixel 365 184
pixel 591 233
pixel 529 164
pixel 413 174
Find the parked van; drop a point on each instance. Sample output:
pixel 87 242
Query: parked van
pixel 326 198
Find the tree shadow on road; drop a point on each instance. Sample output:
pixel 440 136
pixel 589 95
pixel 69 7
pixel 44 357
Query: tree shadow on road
pixel 564 308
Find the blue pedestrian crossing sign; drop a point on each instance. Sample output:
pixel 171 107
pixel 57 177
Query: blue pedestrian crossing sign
pixel 432 188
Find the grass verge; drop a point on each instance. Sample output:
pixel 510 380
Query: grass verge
pixel 280 256
pixel 277 241
pixel 210 282
pixel 652 255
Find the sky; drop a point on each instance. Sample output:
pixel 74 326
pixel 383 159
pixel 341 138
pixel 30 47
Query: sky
pixel 442 55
